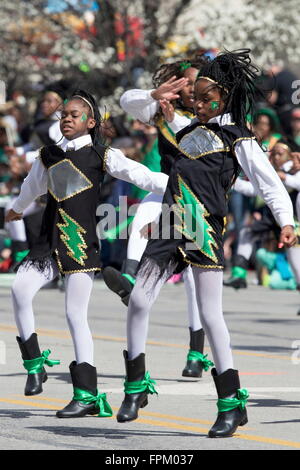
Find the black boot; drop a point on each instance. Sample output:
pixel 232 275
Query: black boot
pixel 194 367
pixel 238 273
pixel 122 282
pixel 135 371
pixel 228 384
pixel 30 350
pixel 84 377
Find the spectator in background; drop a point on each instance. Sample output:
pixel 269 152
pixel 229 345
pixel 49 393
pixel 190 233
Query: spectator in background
pixel 295 128
pixel 281 81
pixel 266 127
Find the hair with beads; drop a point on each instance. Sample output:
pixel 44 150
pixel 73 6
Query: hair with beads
pixel 236 76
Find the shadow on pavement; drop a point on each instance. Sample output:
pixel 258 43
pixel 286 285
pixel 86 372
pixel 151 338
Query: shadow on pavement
pixel 273 402
pixel 109 433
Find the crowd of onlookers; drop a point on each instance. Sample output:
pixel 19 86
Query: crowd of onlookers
pixel 26 126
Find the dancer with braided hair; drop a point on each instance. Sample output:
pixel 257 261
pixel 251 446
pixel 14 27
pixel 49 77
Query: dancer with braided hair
pixel 71 175
pixel 173 95
pixel 210 151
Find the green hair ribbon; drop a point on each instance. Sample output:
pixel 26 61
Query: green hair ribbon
pixel 184 65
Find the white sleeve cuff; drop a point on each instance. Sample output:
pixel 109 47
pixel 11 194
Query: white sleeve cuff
pixel 292 181
pixel 179 122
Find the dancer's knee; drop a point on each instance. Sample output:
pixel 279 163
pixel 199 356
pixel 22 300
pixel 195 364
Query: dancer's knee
pixel 21 293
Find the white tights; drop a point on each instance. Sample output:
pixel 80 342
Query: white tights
pixel 208 287
pixel 78 290
pixel 149 210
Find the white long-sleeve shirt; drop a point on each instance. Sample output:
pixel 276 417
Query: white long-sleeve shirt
pixel 116 164
pixel 293 181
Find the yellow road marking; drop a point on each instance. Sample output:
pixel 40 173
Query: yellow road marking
pixel 65 334
pixel 28 403
pixel 177 426
pixel 141 412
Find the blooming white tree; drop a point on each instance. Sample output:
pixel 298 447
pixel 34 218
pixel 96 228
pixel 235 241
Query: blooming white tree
pixel 110 45
pixel 106 46
pixel 269 28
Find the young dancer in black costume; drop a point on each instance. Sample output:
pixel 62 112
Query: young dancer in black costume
pixel 211 150
pixel 71 175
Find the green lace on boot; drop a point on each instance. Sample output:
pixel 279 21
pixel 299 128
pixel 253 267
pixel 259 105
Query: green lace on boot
pixel 239 272
pixel 198 356
pixel 99 399
pixel 35 366
pixel 145 385
pixel 130 278
pixel 228 404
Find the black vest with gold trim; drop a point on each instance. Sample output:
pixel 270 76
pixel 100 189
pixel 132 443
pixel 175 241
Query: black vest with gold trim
pixel 68 229
pixel 204 170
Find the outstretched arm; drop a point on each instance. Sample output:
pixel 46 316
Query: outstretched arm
pixel 123 168
pixel 34 185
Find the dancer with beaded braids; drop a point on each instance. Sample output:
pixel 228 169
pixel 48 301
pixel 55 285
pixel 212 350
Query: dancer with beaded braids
pixel 173 94
pixel 211 150
pixel 71 175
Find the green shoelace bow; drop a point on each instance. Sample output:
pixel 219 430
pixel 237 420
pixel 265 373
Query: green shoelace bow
pixel 197 356
pixel 228 404
pixel 145 385
pixel 35 366
pixel 100 401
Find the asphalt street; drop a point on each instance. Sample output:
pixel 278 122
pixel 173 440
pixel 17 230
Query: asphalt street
pixel 265 336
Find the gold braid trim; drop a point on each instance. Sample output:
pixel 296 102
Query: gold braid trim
pixel 105 159
pixel 192 263
pixel 74 270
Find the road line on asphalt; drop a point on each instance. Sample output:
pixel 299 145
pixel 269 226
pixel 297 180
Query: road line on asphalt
pixel 182 427
pixel 28 403
pixel 65 334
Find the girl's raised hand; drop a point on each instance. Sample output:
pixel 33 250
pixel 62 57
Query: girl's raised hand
pixel 12 215
pixel 169 89
pixel 167 109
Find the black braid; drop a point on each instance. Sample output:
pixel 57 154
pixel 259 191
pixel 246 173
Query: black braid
pixel 95 132
pixel 234 72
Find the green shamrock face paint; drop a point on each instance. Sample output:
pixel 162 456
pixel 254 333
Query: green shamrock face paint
pixel 214 105
pixel 83 117
pixel 66 101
